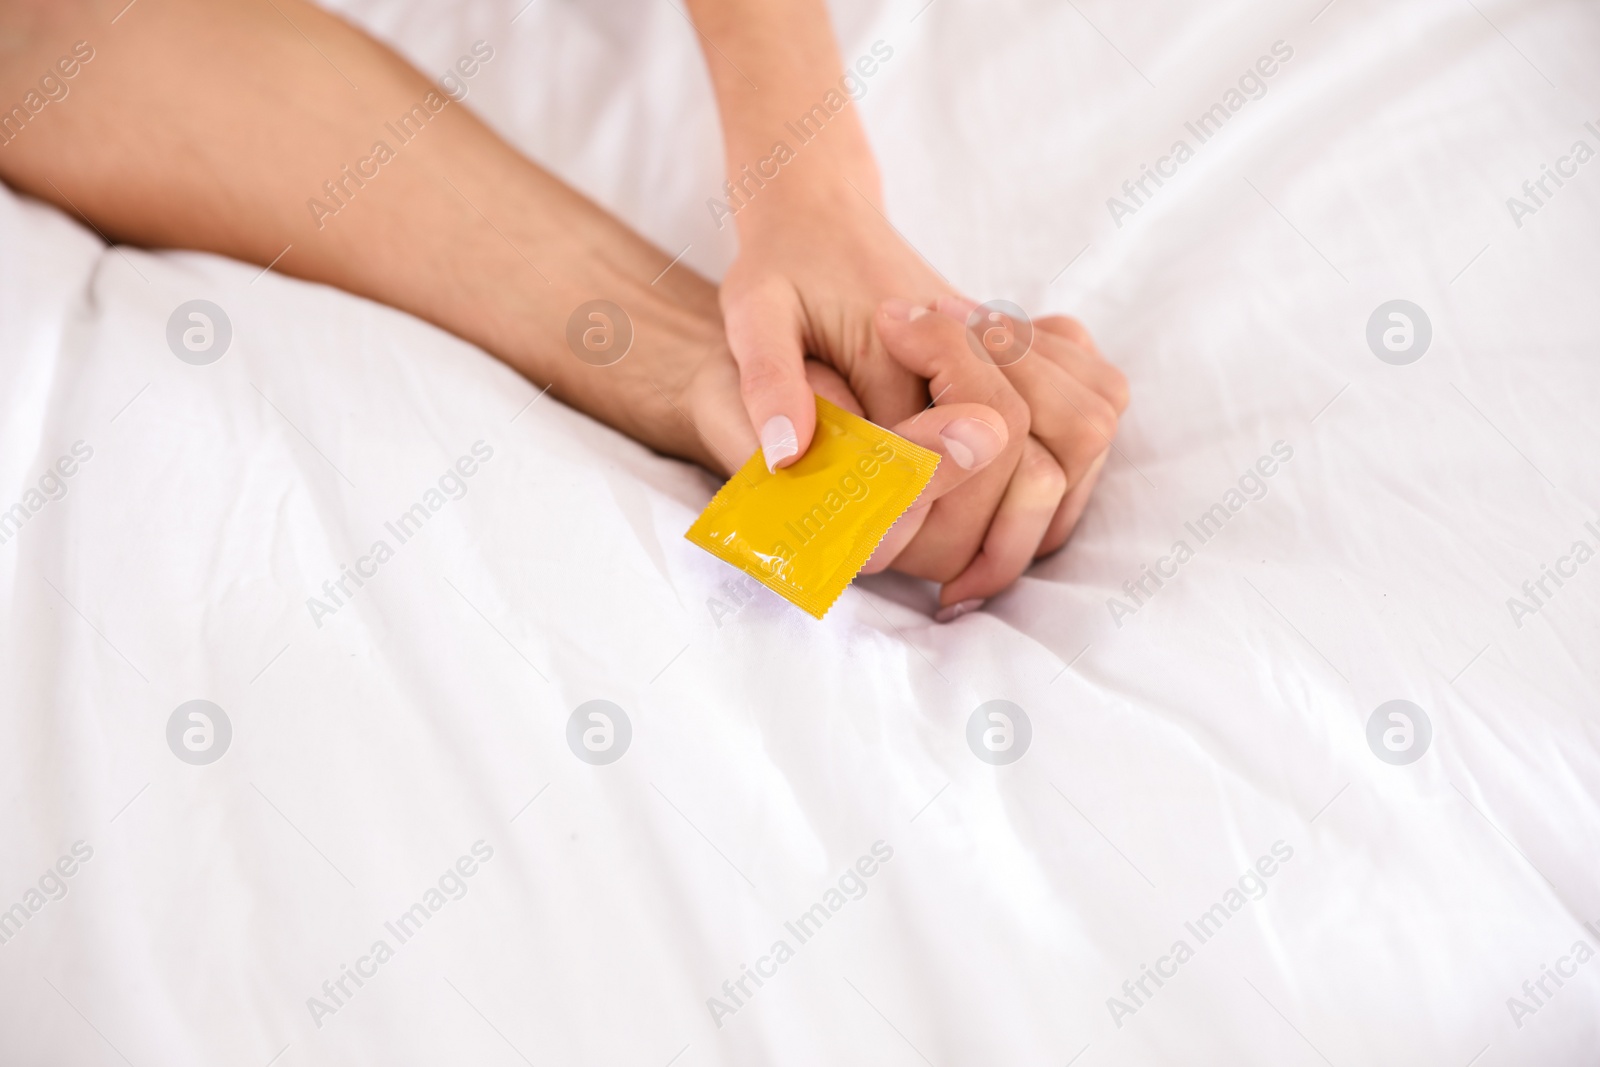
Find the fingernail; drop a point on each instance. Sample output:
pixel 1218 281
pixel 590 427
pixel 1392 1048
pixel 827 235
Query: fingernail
pixel 956 307
pixel 970 442
pixel 955 611
pixel 778 441
pixel 903 310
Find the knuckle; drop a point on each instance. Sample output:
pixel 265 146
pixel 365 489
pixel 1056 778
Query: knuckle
pixel 1012 408
pixel 1066 326
pixel 1053 542
pixel 1045 478
pixel 749 286
pixel 1100 422
pixel 1117 387
pixel 762 374
pixel 941 340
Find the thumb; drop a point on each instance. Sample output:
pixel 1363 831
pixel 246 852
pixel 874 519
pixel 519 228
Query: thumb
pixel 763 325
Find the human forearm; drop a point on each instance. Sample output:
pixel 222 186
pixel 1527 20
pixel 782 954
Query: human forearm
pixel 220 126
pixel 819 270
pixel 790 129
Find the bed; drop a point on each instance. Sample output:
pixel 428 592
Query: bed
pixel 547 784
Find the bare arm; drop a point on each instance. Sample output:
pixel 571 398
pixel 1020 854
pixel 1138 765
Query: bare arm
pixel 247 127
pixel 817 262
pixel 772 62
pixel 215 124
pixel 791 162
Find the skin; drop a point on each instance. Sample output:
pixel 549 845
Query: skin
pixel 209 124
pixel 799 289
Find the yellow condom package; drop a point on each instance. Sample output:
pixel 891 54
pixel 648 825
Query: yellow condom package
pixel 807 529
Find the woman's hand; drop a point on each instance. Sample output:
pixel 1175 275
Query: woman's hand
pixel 466 233
pixel 703 392
pixel 818 259
pixel 823 274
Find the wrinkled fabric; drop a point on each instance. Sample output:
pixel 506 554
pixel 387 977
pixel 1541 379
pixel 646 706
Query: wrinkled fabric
pixel 975 843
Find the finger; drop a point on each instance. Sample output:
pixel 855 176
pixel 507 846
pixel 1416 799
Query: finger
pixel 1069 344
pixel 935 349
pixel 1073 420
pixel 889 392
pixel 726 428
pixel 831 386
pixel 764 332
pixel 708 403
pixel 1070 328
pixel 968 437
pixel 1060 339
pixel 901 534
pixel 1024 515
pixel 1071 509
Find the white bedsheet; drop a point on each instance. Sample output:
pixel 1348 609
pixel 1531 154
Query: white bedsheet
pixel 1225 717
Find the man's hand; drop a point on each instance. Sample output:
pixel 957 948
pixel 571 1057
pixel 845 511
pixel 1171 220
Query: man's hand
pixel 826 276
